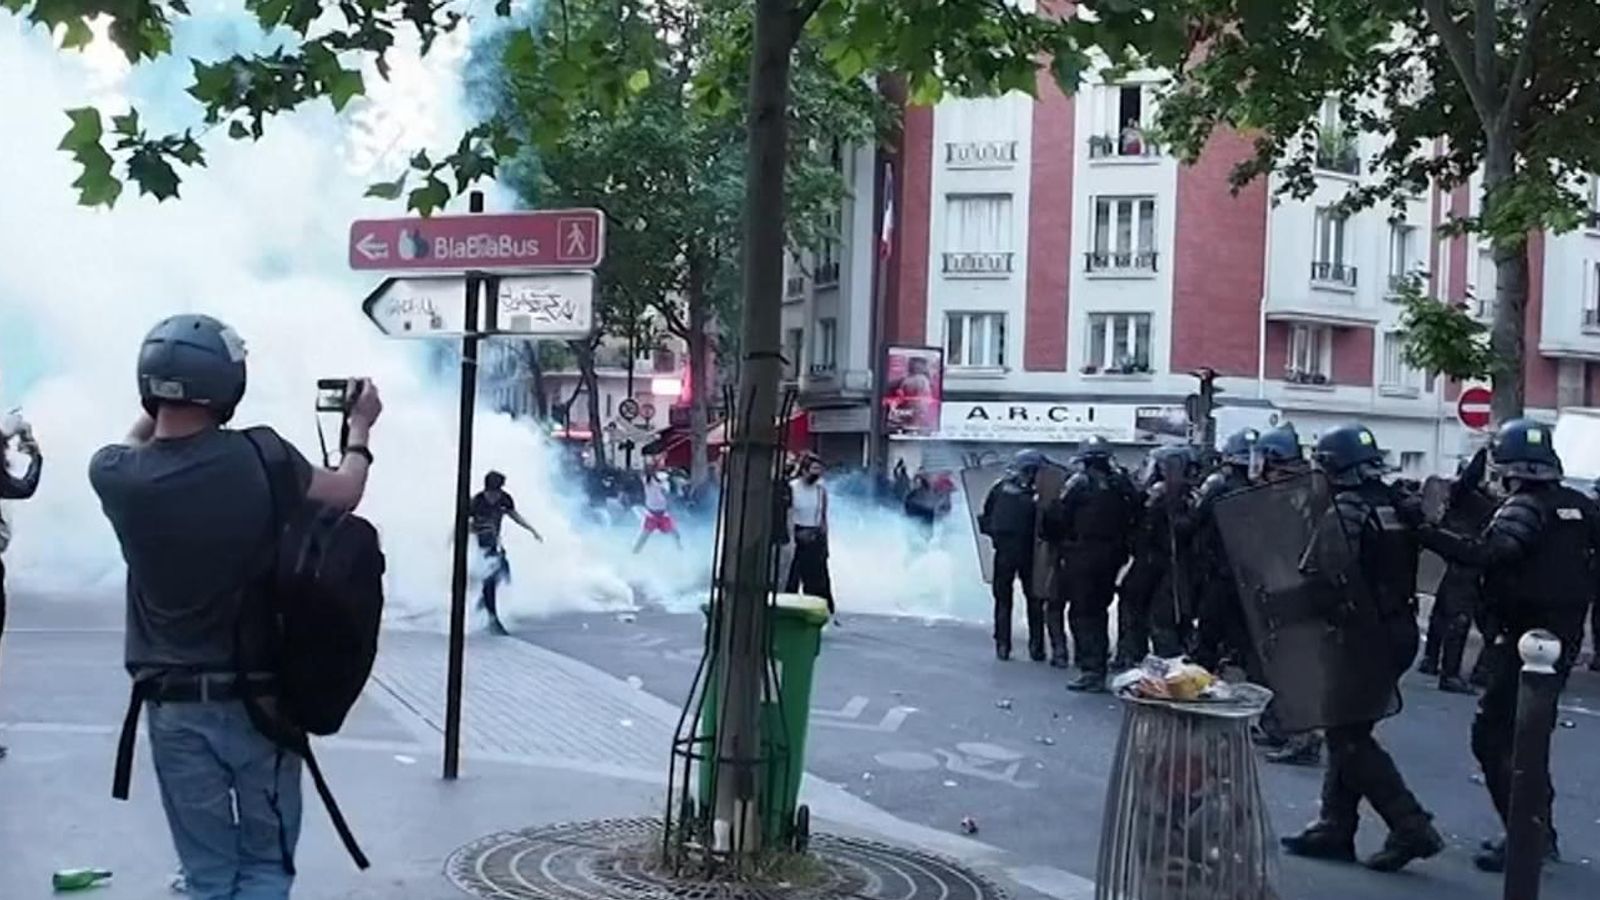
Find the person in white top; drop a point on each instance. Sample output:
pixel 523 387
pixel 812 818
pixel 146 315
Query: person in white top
pixel 808 523
pixel 656 515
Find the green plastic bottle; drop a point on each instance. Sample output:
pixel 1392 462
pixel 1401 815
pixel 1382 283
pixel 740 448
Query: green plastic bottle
pixel 78 879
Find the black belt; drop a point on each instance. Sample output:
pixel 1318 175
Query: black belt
pixel 207 689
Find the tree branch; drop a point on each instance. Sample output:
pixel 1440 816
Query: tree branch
pixel 1523 69
pixel 1460 50
pixel 675 323
pixel 802 14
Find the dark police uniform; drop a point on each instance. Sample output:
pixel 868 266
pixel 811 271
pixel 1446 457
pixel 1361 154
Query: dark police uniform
pixel 1153 609
pixel 1222 633
pixel 1009 517
pixel 1093 520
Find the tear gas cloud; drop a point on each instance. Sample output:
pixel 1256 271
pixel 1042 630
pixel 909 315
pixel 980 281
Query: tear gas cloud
pixel 258 240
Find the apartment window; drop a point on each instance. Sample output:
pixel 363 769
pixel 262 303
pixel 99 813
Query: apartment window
pixel 1328 265
pixel 975 340
pixel 1398 375
pixel 1412 461
pixel 1483 291
pixel 827 262
pixel 1591 299
pixel 1593 220
pixel 1310 354
pixel 1124 235
pixel 977 239
pixel 825 350
pixel 1336 142
pixel 793 346
pixel 1122 130
pixel 1119 344
pixel 1402 255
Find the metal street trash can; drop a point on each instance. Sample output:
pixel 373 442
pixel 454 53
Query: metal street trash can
pixel 796 639
pixel 1184 819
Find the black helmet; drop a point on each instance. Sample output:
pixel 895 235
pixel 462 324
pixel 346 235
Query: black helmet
pixel 1525 449
pixel 1349 454
pixel 1094 448
pixel 1237 448
pixel 1028 461
pixel 192 359
pixel 1163 459
pixel 494 481
pixel 1280 446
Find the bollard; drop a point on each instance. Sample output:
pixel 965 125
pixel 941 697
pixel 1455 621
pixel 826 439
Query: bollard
pixel 1527 822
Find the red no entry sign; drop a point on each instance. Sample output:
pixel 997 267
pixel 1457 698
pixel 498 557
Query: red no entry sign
pixel 546 239
pixel 1472 408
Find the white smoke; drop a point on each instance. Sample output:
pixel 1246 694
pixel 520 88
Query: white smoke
pixel 258 240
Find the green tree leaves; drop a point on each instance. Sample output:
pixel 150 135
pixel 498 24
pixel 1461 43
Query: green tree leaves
pixel 95 183
pixel 1443 337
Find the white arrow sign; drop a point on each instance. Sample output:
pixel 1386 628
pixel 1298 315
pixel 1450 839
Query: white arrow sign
pixel 558 304
pixel 372 247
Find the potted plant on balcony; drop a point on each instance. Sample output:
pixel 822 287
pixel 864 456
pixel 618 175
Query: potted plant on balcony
pixel 1090 369
pixel 1101 145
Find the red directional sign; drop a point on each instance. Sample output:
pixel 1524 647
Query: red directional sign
pixel 546 239
pixel 1472 408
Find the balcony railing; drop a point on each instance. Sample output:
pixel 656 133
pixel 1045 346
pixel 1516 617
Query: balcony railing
pixel 1591 319
pixel 1125 146
pixel 986 264
pixel 827 274
pixel 1334 273
pixel 1306 376
pixel 1340 158
pixel 794 286
pixel 980 154
pixel 1114 261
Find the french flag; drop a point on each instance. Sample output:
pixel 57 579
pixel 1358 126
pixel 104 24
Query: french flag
pixel 886 234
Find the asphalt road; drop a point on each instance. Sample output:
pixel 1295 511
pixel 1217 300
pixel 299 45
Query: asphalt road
pixel 920 719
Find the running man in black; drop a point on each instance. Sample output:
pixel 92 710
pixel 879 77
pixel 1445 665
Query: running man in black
pixel 489 509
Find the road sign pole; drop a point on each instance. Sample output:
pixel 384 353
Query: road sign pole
pixel 458 574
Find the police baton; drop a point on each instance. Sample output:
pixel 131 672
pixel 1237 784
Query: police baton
pixel 1527 822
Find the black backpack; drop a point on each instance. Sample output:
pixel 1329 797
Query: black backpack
pixel 324 584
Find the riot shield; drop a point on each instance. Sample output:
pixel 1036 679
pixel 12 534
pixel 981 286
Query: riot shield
pixel 1319 644
pixel 1047 484
pixel 977 482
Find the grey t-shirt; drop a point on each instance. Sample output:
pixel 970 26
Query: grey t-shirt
pixel 194 518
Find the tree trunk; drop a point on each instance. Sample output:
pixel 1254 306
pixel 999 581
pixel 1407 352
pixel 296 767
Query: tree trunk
pixel 1511 288
pixel 591 388
pixel 699 390
pixel 744 570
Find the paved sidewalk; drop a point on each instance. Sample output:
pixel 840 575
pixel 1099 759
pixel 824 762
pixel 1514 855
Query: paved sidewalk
pixel 545 739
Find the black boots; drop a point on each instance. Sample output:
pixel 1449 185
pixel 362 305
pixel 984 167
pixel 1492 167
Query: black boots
pixel 1455 684
pixel 1002 650
pixel 1303 749
pixel 1323 840
pixel 1036 649
pixel 1405 845
pixel 1089 683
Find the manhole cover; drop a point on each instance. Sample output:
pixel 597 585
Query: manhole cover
pixel 615 859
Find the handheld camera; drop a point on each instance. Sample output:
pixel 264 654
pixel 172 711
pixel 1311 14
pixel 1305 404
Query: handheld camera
pixel 336 396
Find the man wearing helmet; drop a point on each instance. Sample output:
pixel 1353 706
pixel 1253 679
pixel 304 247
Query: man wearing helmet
pixel 1538 557
pixel 1374 522
pixel 1009 518
pixel 192 508
pixel 1153 606
pixel 485 516
pixel 1222 635
pixel 1093 522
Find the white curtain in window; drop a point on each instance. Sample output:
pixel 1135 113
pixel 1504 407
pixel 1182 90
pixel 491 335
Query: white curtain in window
pixel 1330 237
pixel 1124 224
pixel 978 223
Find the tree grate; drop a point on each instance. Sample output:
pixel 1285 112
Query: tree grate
pixel 619 859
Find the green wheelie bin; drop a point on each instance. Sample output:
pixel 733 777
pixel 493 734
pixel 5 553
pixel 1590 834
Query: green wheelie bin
pixel 796 635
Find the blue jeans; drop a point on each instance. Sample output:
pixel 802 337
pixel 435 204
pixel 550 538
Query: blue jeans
pixel 232 799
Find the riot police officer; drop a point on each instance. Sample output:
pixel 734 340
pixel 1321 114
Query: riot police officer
pixel 1277 455
pixel 1009 518
pixel 1222 634
pixel 1538 554
pixel 1153 602
pixel 1092 521
pixel 1374 522
pixel 1459 590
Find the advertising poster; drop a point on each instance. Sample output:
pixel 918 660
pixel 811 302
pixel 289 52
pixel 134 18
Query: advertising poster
pixel 912 390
